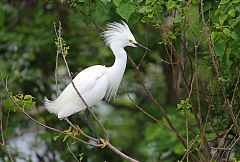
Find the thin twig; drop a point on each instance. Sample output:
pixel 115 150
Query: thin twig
pixel 235 89
pixel 230 147
pixel 187 135
pixel 56 68
pixel 222 141
pixel 72 153
pixel 145 53
pixel 2 135
pixel 182 53
pixel 120 153
pixel 1 124
pixel 189 148
pixel 148 93
pixel 91 17
pixel 140 108
pixel 206 148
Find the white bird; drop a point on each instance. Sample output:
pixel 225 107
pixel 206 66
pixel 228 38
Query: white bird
pixel 97 82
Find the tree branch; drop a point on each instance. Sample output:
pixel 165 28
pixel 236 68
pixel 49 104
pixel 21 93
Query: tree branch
pixel 148 93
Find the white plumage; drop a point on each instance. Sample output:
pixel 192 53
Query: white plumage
pixel 96 82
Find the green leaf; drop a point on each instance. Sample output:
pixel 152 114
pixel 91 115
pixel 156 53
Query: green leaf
pixel 179 149
pixel 224 1
pixel 195 29
pixel 117 2
pixel 235 1
pixel 222 18
pixel 171 4
pixel 125 11
pixel 55 137
pixel 222 79
pixel 105 1
pixel 14 108
pixel 227 32
pixel 145 19
pixel 220 47
pixel 194 2
pixel 184 105
pixel 68 130
pixel 214 35
pixel 134 18
pixel 207 6
pixel 149 9
pixel 179 106
pixel 234 35
pixel 142 9
pixel 29 103
pixel 231 12
pixel 19 97
pixel 177 19
pixel 150 1
pixel 65 138
pixel 81 156
pixel 28 97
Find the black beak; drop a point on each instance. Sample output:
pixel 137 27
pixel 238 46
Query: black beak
pixel 141 46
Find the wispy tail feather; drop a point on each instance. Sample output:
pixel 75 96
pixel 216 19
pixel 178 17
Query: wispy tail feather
pixel 51 106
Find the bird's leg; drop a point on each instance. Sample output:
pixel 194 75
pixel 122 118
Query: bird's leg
pixel 85 120
pixel 76 127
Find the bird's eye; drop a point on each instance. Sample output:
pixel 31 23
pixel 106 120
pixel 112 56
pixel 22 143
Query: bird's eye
pixel 131 41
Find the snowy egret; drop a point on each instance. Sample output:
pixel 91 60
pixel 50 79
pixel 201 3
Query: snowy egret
pixel 97 82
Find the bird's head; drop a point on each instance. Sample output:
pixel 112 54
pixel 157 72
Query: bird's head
pixel 119 34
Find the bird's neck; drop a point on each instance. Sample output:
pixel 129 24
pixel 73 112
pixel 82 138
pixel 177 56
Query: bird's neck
pixel 120 60
pixel 115 72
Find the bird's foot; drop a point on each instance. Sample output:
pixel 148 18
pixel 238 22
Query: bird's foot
pixel 102 142
pixel 77 129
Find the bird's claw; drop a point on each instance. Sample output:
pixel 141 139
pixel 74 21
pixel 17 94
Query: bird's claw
pixel 77 129
pixel 102 142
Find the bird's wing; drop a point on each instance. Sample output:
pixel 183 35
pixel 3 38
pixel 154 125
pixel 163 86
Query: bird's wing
pixel 92 90
pixel 87 78
pixel 84 82
pixel 92 85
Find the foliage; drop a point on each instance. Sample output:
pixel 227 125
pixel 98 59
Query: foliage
pixel 24 101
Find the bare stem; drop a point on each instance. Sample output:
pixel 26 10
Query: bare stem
pixel 141 109
pixel 72 153
pixel 1 129
pixel 120 153
pixel 148 93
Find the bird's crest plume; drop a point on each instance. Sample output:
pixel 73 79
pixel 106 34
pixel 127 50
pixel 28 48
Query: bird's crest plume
pixel 116 32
